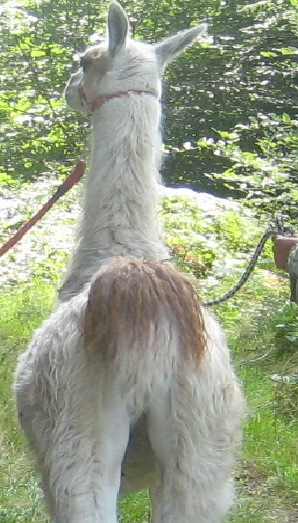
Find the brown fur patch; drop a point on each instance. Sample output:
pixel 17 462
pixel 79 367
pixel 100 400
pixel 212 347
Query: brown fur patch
pixel 129 296
pixel 96 58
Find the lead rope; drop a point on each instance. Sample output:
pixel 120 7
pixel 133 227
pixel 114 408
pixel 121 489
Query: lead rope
pixel 72 179
pixel 271 231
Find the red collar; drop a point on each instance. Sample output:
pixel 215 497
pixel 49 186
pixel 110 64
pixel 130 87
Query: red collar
pixel 101 100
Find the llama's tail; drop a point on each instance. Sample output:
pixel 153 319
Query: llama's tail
pixel 142 306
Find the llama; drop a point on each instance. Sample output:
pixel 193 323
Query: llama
pixel 128 384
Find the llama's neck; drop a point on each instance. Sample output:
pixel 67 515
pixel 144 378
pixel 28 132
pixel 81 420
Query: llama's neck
pixel 120 215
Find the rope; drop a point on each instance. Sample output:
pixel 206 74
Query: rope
pixel 258 250
pixel 72 179
pixel 279 229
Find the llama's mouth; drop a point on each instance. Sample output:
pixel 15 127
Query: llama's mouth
pixel 82 94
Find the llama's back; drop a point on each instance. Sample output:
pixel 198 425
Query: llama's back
pixel 130 299
pixel 144 318
pixel 144 323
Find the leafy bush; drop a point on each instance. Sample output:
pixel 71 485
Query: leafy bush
pixel 230 100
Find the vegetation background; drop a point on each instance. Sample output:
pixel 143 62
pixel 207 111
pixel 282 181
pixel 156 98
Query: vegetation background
pixel 230 129
pixel 230 105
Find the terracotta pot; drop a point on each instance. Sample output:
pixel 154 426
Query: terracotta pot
pixel 282 246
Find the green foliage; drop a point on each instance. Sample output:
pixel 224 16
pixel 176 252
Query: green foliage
pixel 20 497
pixel 205 239
pixel 193 250
pixel 231 100
pixel 267 177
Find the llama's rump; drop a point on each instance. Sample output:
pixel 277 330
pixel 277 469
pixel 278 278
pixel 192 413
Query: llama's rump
pixel 131 298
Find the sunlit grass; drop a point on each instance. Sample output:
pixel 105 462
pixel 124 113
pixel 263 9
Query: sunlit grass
pixel 22 310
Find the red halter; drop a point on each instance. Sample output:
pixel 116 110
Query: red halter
pixel 101 100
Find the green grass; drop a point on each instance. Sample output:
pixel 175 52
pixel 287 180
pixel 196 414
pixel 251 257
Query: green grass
pixel 262 328
pixel 21 312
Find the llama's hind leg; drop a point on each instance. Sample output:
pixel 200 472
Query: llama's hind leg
pixel 86 462
pixel 79 448
pixel 155 499
pixel 194 454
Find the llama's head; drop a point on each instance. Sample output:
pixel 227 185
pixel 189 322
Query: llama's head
pixel 122 64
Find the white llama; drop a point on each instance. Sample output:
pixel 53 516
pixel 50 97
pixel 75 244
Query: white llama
pixel 128 384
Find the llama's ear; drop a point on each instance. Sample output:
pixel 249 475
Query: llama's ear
pixel 118 27
pixel 172 46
